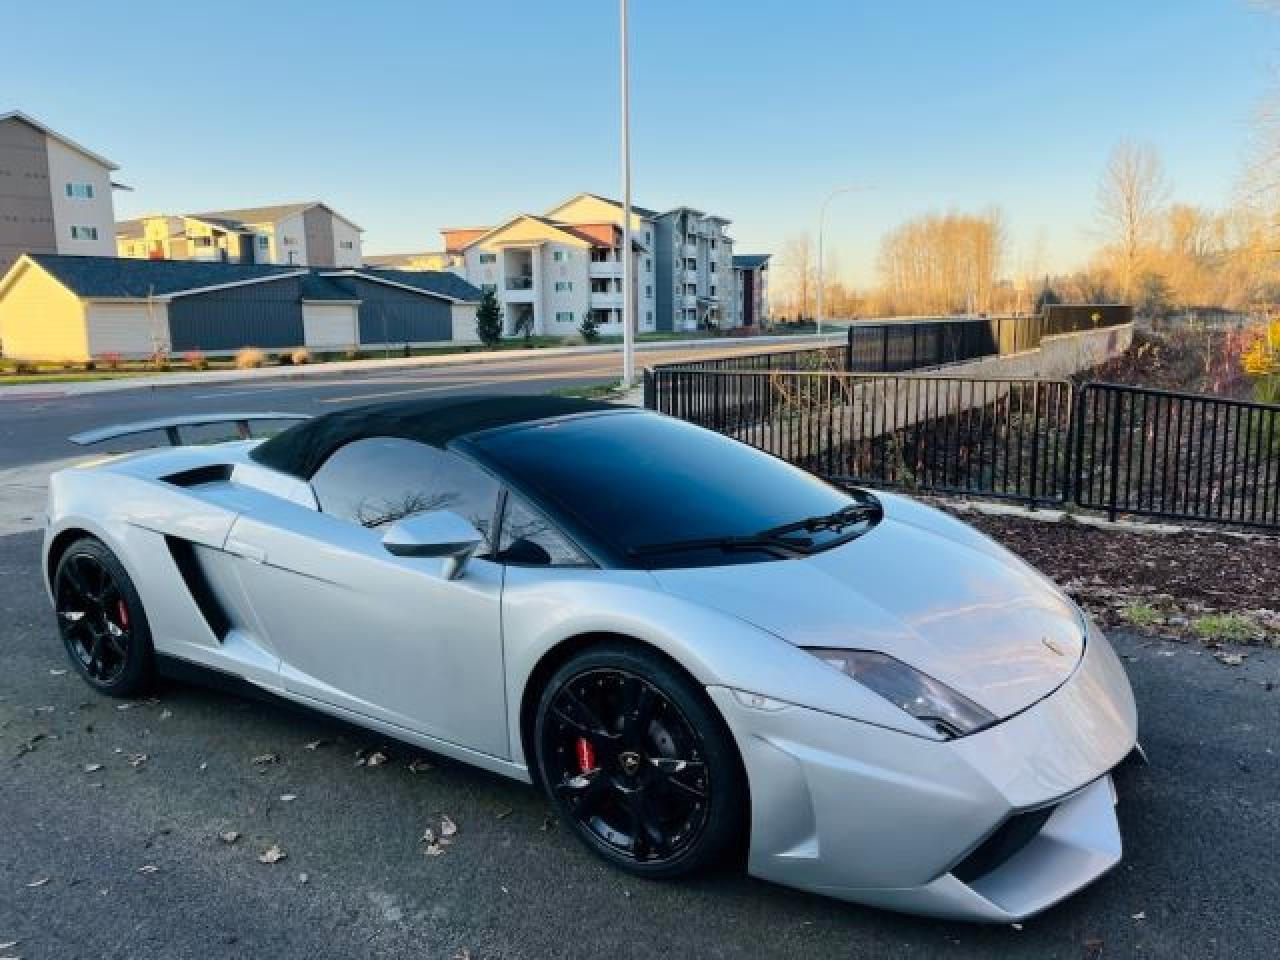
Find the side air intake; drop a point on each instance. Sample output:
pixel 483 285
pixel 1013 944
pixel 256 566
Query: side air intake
pixel 188 564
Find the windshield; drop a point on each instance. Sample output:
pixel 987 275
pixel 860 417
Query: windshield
pixel 650 489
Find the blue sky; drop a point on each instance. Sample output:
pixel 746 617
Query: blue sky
pixel 412 116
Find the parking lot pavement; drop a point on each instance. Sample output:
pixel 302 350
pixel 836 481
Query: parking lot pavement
pixel 126 860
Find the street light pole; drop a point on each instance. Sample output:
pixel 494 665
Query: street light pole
pixel 822 220
pixel 628 331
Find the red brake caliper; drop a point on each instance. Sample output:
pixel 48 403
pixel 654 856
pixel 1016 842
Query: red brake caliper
pixel 586 755
pixel 123 613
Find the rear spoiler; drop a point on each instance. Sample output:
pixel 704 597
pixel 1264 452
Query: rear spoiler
pixel 172 426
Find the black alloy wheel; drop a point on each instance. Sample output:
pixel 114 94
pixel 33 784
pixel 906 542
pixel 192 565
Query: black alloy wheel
pixel 639 763
pixel 101 620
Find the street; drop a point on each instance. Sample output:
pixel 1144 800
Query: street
pixel 135 829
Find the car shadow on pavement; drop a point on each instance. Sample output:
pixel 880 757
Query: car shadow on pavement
pixel 201 784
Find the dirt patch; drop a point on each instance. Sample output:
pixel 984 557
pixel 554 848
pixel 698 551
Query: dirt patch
pixel 1203 586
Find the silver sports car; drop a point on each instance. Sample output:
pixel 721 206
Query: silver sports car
pixel 690 645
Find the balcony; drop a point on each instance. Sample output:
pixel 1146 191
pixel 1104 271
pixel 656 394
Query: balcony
pixel 605 268
pixel 520 283
pixel 605 301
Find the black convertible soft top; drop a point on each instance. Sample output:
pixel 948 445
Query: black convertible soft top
pixel 301 449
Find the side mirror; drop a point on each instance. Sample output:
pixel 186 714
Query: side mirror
pixel 439 533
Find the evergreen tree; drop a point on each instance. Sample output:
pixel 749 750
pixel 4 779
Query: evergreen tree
pixel 489 319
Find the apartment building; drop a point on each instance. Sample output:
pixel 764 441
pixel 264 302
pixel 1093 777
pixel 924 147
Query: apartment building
pixel 550 270
pixel 310 234
pixel 55 195
pixel 549 274
pixel 751 281
pixel 426 260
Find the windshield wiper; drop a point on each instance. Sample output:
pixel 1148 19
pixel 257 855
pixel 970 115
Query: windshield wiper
pixel 766 542
pixel 837 521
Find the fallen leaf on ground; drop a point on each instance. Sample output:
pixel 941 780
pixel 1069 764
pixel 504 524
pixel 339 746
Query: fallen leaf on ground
pixel 136 760
pixel 418 765
pixel 447 827
pixel 38 883
pixel 433 850
pixel 56 673
pixel 10 945
pixel 428 836
pixel 503 813
pixel 1229 659
pixel 1140 915
pixel 288 797
pixel 44 709
pixel 229 836
pixel 166 714
pixel 263 759
pixel 303 878
pixel 1093 948
pixel 204 766
pixel 1016 926
pixel 273 854
pixel 148 868
pixel 92 767
pixel 548 822
pixel 316 744
pixel 376 759
pixel 125 706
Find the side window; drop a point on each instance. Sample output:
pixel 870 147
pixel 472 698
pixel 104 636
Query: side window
pixel 530 540
pixel 378 481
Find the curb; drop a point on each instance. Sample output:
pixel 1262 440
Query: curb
pixel 341 367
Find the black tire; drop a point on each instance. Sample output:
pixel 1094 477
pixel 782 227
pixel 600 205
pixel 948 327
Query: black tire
pixel 101 620
pixel 659 791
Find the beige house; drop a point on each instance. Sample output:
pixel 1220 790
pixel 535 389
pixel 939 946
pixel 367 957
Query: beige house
pixel 292 234
pixel 55 195
pixel 427 260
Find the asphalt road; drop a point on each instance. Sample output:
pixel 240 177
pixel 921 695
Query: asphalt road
pixel 35 430
pixel 1199 879
pixel 1201 823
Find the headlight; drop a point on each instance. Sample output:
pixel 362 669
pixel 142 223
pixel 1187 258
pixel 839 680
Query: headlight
pixel 928 700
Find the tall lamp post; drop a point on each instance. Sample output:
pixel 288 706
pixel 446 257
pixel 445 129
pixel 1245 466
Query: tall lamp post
pixel 628 331
pixel 822 220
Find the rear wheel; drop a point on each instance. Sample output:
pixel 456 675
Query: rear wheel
pixel 638 761
pixel 101 619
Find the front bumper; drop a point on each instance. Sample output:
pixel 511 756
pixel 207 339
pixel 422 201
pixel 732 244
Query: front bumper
pixel 1023 812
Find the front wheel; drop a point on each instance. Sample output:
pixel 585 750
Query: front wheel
pixel 101 619
pixel 639 763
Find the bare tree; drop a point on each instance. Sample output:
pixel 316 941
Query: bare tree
pixel 797 269
pixel 1131 198
pixel 942 264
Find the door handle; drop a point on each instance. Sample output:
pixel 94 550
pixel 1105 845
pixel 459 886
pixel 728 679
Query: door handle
pixel 247 550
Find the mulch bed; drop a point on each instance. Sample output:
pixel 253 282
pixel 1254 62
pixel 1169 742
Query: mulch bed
pixel 1212 587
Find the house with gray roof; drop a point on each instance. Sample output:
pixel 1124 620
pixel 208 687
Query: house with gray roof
pixel 55 307
pixel 310 234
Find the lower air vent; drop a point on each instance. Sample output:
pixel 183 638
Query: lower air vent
pixel 1010 837
pixel 188 564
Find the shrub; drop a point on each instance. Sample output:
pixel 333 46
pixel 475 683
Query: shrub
pixel 1233 627
pixel 351 353
pixel 24 366
pixel 159 359
pixel 111 360
pixel 196 360
pixel 589 328
pixel 90 365
pixel 68 364
pixel 300 356
pixel 249 358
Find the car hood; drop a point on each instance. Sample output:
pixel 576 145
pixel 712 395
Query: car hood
pixel 920 587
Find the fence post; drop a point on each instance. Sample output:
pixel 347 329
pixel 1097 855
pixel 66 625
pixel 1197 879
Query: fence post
pixel 650 394
pixel 1113 410
pixel 1035 438
pixel 884 348
pixel 848 351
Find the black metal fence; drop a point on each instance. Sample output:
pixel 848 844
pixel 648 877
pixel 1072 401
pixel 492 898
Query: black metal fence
pixel 1177 455
pixel 1108 447
pixel 895 346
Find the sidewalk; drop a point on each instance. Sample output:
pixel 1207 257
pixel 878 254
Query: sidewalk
pixel 29 391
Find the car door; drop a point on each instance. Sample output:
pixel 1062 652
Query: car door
pixel 384 636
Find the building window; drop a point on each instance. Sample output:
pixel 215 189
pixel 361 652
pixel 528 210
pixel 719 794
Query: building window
pixel 648 290
pixel 202 241
pixel 691 238
pixel 489 287
pixel 690 289
pixel 648 265
pixel 347 245
pixel 600 255
pixel 564 316
pixel 691 264
pixel 488 258
pixel 558 256
pixel 648 317
pixel 84 233
pixel 82 191
pixel 713 243
pixel 263 241
pixel 290 241
pixel 713 290
pixel 563 286
pixel 713 266
pixel 646 238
